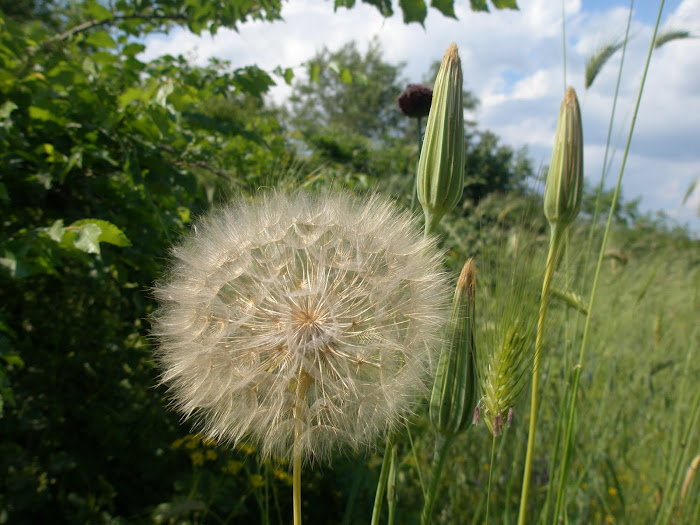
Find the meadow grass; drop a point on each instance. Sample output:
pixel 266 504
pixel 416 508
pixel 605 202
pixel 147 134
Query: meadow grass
pixel 634 406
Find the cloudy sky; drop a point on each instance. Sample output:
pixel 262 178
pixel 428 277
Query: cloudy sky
pixel 512 60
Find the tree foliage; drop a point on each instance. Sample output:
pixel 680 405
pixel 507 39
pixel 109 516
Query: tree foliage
pixel 356 93
pixel 104 158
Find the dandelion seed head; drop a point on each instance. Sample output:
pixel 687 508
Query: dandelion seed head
pixel 314 314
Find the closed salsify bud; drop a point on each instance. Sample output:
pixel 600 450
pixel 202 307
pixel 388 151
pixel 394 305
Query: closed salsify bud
pixel 564 188
pixel 441 164
pixel 454 390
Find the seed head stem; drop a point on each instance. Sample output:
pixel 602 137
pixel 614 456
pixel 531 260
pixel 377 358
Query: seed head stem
pixel 383 478
pixel 491 465
pixel 302 388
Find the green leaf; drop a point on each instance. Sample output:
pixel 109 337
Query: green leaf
pixel 184 214
pixel 87 234
pixel 13 359
pixel 505 4
pixel 9 262
pixel 101 39
pixel 315 73
pixel 288 76
pixel 163 92
pixel 133 49
pixel 97 11
pixel 446 7
pixel 333 66
pixel 130 95
pixel 252 80
pixel 56 230
pixel 109 233
pixel 346 76
pixel 87 238
pixel 413 11
pixel 348 4
pixel 478 5
pixel 41 114
pixel 384 6
pixel 7 108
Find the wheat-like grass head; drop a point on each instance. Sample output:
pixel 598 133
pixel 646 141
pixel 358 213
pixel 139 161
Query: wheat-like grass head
pixel 505 337
pixel 296 313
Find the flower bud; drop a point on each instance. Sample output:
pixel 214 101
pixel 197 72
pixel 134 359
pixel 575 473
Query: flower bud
pixel 454 390
pixel 441 165
pixel 564 189
pixel 414 101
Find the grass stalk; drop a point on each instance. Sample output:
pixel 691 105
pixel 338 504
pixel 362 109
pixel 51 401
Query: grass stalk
pixel 682 458
pixel 586 329
pixel 555 244
pixel 383 478
pixel 563 40
pixel 491 465
pixel 419 123
pixel 415 458
pixel 596 209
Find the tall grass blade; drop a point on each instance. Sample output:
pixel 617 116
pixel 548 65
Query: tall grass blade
pixel 586 330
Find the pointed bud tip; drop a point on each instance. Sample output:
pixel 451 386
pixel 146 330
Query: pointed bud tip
pixel 570 96
pixel 467 278
pixel 451 55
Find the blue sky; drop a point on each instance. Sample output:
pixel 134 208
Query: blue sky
pixel 513 62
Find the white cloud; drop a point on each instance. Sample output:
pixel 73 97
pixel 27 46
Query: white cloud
pixel 512 61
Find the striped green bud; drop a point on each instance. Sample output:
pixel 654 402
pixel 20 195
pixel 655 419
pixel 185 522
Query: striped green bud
pixel 564 189
pixel 454 390
pixel 441 164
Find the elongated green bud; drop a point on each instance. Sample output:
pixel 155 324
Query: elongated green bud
pixel 454 391
pixel 441 165
pixel 564 189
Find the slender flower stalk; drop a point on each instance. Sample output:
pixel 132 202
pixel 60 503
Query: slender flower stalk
pixel 562 203
pixel 414 102
pixel 301 322
pixel 586 330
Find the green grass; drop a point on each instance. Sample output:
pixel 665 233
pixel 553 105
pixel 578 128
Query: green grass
pixel 635 399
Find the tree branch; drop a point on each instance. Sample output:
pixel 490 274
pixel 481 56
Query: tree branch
pixel 118 18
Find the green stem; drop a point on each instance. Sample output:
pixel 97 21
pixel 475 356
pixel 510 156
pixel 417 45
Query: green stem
pixel 443 442
pixel 431 221
pixel 563 40
pixel 302 387
pixel 603 173
pixel 383 477
pixel 554 248
pixel 488 492
pixel 415 458
pixel 297 489
pixel 415 178
pixel 391 495
pixel 586 329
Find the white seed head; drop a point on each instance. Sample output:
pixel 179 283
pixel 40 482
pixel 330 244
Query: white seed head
pixel 315 314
